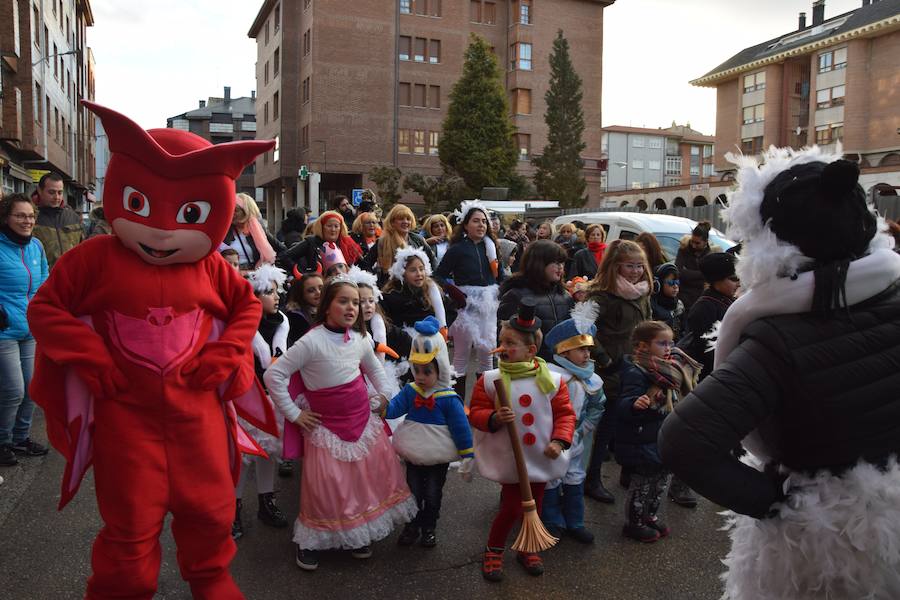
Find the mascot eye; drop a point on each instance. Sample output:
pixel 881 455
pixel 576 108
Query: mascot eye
pixel 193 212
pixel 136 202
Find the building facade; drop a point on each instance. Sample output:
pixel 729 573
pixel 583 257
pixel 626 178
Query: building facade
pixel 224 119
pixel 344 87
pixel 46 68
pixel 832 80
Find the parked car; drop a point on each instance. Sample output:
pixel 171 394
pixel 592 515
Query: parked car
pixel 668 229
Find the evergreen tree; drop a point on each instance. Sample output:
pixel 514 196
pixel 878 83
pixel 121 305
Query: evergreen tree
pixel 443 190
pixel 477 140
pixel 559 169
pixel 387 181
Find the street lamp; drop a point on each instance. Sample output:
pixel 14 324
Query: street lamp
pixel 48 57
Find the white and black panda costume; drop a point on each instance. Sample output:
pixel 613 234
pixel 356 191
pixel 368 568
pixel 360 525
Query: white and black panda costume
pixel 807 375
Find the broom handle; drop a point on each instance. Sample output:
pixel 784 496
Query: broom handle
pixel 521 467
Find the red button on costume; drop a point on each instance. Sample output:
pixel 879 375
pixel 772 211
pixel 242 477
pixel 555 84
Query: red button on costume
pixel 143 359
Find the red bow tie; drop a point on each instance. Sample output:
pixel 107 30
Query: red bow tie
pixel 426 402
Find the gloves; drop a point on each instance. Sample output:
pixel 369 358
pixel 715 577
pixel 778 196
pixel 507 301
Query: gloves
pixel 444 334
pixel 211 367
pixel 456 294
pixel 466 467
pixel 103 382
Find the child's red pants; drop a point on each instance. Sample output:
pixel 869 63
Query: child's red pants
pixel 511 511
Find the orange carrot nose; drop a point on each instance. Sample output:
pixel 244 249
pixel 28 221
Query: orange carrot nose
pixel 386 350
pixel 497 350
pixel 495 268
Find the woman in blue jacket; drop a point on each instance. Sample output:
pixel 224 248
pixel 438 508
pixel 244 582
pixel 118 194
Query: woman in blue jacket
pixel 23 268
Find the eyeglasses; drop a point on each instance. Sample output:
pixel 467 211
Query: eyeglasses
pixel 24 216
pixel 672 282
pixel 633 266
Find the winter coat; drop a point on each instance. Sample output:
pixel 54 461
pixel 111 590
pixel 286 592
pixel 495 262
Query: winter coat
pixel 404 306
pixel 708 310
pixel 636 430
pixel 98 224
pixel 551 306
pixel 299 324
pixel 59 230
pixel 670 311
pixel 22 271
pixel 821 393
pixel 688 263
pixel 466 263
pixel 250 247
pixel 583 265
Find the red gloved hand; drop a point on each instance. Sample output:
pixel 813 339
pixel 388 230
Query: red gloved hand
pixel 456 294
pixel 105 382
pixel 211 367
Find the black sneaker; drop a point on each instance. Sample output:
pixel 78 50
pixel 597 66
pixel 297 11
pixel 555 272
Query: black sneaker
pixel 269 513
pixel 308 560
pixel 429 539
pixel 596 490
pixel 361 553
pixel 409 535
pixel 237 526
pixel 659 526
pixel 29 448
pixel 286 468
pixel 641 533
pixel 7 456
pixel 581 535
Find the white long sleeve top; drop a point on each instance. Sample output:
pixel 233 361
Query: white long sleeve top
pixel 324 360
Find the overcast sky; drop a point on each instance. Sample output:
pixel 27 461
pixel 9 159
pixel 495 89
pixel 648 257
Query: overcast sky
pixel 157 58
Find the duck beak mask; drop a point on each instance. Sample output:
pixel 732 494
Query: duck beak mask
pixel 169 194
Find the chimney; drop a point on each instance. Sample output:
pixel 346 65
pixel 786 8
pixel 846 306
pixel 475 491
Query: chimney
pixel 227 94
pixel 203 104
pixel 253 94
pixel 818 12
pixel 801 24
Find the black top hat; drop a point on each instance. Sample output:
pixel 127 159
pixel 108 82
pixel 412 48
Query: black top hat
pixel 525 319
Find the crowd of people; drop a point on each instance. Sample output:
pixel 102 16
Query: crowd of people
pixel 460 326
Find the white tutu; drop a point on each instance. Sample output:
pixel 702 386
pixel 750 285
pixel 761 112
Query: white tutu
pixel 836 538
pixel 478 320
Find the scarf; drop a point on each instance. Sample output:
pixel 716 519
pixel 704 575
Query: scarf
pixel 21 240
pixel 631 291
pixel 583 373
pixel 678 373
pixel 520 370
pixel 597 249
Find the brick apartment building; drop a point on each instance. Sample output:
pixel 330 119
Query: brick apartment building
pixel 831 80
pixel 46 68
pixel 346 86
pixel 224 119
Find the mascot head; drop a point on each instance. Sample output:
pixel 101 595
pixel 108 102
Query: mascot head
pixel 169 194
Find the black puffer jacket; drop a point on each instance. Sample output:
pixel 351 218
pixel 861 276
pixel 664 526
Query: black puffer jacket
pixel 552 305
pixel 822 393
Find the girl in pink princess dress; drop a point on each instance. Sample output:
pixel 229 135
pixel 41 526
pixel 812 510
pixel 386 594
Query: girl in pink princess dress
pixel 353 486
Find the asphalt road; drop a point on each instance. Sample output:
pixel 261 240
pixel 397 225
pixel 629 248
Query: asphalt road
pixel 45 554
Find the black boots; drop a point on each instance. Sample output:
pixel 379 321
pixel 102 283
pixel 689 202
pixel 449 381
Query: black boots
pixel 681 494
pixel 594 488
pixel 269 513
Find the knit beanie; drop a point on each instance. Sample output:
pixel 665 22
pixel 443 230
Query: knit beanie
pixel 717 266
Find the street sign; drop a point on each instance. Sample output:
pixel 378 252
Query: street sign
pixel 303 173
pixel 357 196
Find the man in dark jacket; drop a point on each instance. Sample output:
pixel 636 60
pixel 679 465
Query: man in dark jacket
pixel 807 373
pixel 710 308
pixel 58 226
pixel 692 250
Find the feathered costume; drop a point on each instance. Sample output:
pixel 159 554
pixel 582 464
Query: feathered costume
pixel 144 358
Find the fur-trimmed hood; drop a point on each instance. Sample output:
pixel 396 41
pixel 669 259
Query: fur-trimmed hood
pixel 685 244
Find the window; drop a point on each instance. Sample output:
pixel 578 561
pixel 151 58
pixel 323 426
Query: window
pixel 266 113
pixel 37 102
pixel 654 142
pixel 521 56
pixel 475 11
pixel 421 7
pixel 306 4
pixel 752 145
pixel 419 54
pixel 266 31
pixel 673 181
pixel 275 106
pixel 277 18
pixel 304 137
pixel 490 13
pixel 830 97
pixel 695 170
pixel 306 42
pixel 637 164
pixel 695 150
pixel 37 27
pixel 433 140
pixel 55 123
pixel 673 165
pixel 637 141
pixel 419 141
pixel 419 95
pixel 306 90
pixel 754 114
pixel 523 142
pixel 707 151
pixel 828 134
pixel 707 170
pixel 434 96
pixel 276 60
pixel 754 81
pixel 276 151
pixel 434 8
pixel 525 12
pixel 56 62
pixel 522 101
pixel 434 51
pixel 832 60
pixel 653 165
pixel 404 94
pixel 405 47
pixel 266 74
pixel 405 7
pixel 403 141
pixel 483 11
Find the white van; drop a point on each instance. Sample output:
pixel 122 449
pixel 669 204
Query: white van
pixel 668 229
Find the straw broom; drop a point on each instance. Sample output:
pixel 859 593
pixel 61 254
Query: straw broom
pixel 533 537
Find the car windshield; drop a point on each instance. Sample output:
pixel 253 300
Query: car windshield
pixel 670 242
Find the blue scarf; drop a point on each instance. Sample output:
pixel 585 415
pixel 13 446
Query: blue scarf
pixel 582 373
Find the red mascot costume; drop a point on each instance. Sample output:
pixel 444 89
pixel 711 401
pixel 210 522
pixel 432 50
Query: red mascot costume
pixel 144 360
